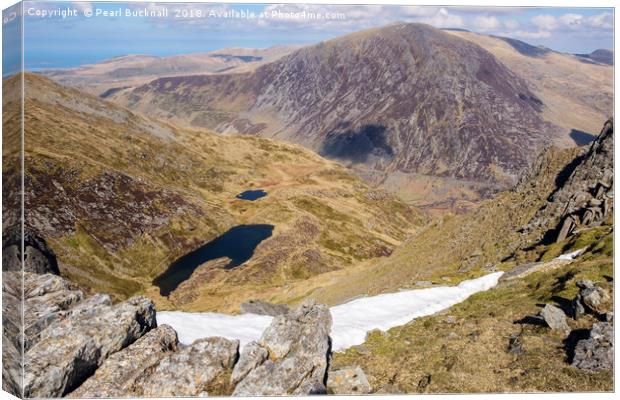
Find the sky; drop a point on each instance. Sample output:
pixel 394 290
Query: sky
pixel 64 34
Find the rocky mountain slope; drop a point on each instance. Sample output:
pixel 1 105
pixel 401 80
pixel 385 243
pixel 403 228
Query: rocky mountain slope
pixel 546 311
pixel 405 98
pixel 123 73
pixel 561 81
pixel 118 198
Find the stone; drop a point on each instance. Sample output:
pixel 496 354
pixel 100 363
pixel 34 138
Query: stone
pixel 555 318
pixel 38 256
pixel 191 371
pixel 299 350
pixel 118 373
pixel 348 380
pixel 591 298
pixel 260 307
pixel 69 350
pixel 515 345
pixel 252 356
pixel 597 352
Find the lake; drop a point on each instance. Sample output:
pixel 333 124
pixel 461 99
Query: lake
pixel 237 243
pixel 252 195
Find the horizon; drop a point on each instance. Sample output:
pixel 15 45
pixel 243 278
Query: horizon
pixel 56 39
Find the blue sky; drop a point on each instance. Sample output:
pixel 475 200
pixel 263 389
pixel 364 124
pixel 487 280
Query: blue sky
pixel 55 41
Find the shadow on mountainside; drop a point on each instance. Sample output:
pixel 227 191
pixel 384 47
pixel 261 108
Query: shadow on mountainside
pixel 357 145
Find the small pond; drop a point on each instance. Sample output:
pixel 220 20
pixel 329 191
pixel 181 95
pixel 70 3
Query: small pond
pixel 252 195
pixel 238 244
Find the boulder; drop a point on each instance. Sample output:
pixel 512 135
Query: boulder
pixel 348 380
pixel 70 349
pixel 591 298
pixel 118 373
pixel 263 308
pixel 555 318
pixel 597 352
pixel 191 371
pixel 299 349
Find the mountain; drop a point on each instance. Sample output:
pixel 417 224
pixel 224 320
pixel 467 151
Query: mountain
pixel 561 81
pixel 122 73
pixel 119 198
pixel 407 98
pixel 603 56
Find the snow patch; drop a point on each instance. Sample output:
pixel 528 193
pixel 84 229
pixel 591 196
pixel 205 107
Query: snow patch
pixel 571 256
pixel 352 320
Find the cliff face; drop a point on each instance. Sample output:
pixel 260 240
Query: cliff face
pixel 406 98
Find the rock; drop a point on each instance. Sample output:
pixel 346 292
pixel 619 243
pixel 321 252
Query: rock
pixel 450 319
pixel 11 368
pixel 591 298
pixel 555 318
pixel 263 308
pixel 252 356
pixel 597 352
pixel 191 371
pixel 70 349
pixel 117 375
pixel 515 346
pixel 38 257
pixel 348 380
pixel 390 389
pixel 299 349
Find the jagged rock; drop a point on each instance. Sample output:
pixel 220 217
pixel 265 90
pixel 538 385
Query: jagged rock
pixel 117 375
pixel 555 318
pixel 38 257
pixel 11 368
pixel 584 196
pixel 263 308
pixel 252 356
pixel 298 345
pixel 597 352
pixel 70 349
pixel 348 380
pixel 190 371
pixel 591 298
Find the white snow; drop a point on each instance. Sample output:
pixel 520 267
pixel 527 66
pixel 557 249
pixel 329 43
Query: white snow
pixel 571 256
pixel 351 321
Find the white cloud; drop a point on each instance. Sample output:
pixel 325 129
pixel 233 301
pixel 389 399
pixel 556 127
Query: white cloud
pixel 572 20
pixel 601 21
pixel 443 19
pixel 485 23
pixel 532 35
pixel 511 24
pixel 545 22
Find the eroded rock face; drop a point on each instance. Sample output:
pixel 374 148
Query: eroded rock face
pixel 117 375
pixel 192 370
pixel 67 337
pixel 597 352
pixel 298 348
pixel 349 380
pixel 585 192
pixel 38 257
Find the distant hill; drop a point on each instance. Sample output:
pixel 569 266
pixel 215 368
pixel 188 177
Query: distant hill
pixel 602 56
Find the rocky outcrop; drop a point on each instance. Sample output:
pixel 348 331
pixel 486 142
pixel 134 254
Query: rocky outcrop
pixel 591 298
pixel 348 380
pixel 66 334
pixel 298 349
pixel 116 377
pixel 85 346
pixel 192 370
pixel 38 257
pixel 263 308
pixel 585 192
pixel 597 352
